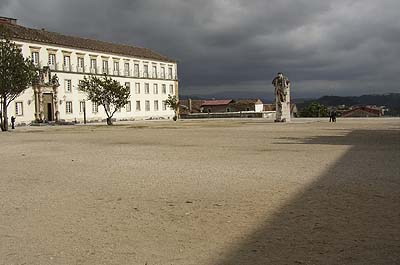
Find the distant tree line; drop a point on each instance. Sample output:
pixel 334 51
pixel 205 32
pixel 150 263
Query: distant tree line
pixel 314 109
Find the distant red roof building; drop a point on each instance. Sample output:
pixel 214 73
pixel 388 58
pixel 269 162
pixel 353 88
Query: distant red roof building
pixel 362 112
pixel 217 102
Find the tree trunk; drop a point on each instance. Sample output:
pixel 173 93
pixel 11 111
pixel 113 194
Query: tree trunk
pixel 4 125
pixel 109 121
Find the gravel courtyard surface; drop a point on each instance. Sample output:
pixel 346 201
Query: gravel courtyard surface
pixel 221 192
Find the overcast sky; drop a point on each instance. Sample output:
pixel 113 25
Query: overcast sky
pixel 234 48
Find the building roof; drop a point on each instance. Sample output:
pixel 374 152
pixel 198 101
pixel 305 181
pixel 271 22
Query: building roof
pixel 217 102
pixel 249 101
pixel 18 32
pixel 358 110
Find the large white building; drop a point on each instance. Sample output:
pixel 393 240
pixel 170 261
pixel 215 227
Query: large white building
pixel 151 76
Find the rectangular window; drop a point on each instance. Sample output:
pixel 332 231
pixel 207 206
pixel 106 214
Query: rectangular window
pixel 138 105
pixel 155 89
pixel 154 72
pixel 145 71
pixel 68 107
pixel 126 69
pixel 162 72
pixel 155 105
pixel 52 61
pixel 147 105
pixel 116 68
pixel 128 84
pixel 81 64
pixel 146 88
pixel 82 106
pixel 128 107
pixel 136 70
pixel 95 107
pixel 105 67
pixel 35 58
pixel 137 88
pixel 164 105
pixel 164 88
pixel 67 63
pixel 171 89
pixel 68 86
pixel 19 109
pixel 169 72
pixel 93 66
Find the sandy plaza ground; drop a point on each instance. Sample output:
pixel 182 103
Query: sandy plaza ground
pixel 212 192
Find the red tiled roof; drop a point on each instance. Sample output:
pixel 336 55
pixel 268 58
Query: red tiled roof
pixel 218 102
pixel 18 32
pixel 372 111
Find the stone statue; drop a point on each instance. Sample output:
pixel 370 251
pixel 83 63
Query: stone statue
pixel 54 81
pixel 282 98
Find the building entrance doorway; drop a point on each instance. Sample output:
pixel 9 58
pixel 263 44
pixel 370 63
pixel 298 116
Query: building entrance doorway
pixel 48 106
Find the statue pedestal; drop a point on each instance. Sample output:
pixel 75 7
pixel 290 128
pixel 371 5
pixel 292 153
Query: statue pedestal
pixel 283 114
pixel 283 109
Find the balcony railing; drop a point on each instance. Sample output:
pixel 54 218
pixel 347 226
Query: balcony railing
pixel 101 70
pixel 66 68
pixel 104 71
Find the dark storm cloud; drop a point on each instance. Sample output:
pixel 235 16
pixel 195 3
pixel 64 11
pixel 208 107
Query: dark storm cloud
pixel 234 48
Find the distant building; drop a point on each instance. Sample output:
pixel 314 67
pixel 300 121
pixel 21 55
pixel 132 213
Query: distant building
pixel 246 105
pixel 216 105
pixel 150 76
pixel 229 105
pixel 221 108
pixel 188 106
pixel 363 112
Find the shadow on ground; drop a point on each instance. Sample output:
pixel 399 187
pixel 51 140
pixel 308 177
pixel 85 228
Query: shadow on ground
pixel 350 215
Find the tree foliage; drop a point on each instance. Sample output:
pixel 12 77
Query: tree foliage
pixel 106 92
pixel 315 109
pixel 173 103
pixel 16 74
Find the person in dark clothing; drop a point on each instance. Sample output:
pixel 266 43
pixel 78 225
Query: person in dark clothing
pixel 12 122
pixel 332 117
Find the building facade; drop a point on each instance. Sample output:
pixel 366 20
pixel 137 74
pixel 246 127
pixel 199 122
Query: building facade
pixel 63 61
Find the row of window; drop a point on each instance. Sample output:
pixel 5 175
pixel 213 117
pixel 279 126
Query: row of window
pixel 68 88
pixel 94 68
pixel 128 106
pixel 95 107
pixel 155 88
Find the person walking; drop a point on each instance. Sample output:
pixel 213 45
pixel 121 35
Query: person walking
pixel 12 122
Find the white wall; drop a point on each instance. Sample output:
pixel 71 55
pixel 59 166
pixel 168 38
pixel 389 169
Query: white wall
pixel 258 107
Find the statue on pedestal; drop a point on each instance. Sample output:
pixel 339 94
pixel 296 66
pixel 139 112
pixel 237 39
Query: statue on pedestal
pixel 282 98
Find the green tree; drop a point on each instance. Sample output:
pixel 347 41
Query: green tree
pixel 315 109
pixel 106 92
pixel 173 103
pixel 16 74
